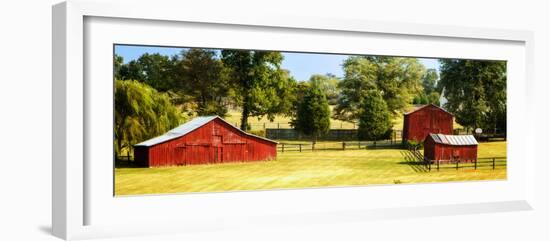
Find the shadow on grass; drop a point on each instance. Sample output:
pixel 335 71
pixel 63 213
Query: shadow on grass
pixel 413 162
pixel 126 164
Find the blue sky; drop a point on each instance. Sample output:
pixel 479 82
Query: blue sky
pixel 300 65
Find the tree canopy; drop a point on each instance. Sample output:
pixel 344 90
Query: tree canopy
pixel 476 92
pixel 328 84
pixel 397 79
pixel 430 89
pixel 262 87
pixel 203 77
pixel 155 70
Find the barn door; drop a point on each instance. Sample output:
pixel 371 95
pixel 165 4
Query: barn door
pixel 179 155
pixel 217 151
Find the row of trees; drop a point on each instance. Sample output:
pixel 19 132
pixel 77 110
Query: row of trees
pixel 476 92
pixel 155 92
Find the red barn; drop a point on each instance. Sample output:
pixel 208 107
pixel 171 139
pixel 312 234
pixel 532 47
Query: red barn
pixel 446 148
pixel 203 140
pixel 427 119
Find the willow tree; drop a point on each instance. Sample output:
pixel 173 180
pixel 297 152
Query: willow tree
pixel 141 113
pixel 262 87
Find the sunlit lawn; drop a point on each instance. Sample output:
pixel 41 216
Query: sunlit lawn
pixel 299 170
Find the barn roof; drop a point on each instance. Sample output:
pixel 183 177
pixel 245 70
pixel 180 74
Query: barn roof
pixel 424 106
pixel 455 140
pixel 188 127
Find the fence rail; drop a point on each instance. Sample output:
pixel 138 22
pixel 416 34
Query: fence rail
pixel 331 135
pixel 490 162
pixel 343 145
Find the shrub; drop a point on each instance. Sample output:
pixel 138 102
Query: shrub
pixel 415 145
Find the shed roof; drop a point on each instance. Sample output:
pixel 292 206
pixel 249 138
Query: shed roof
pixel 424 106
pixel 454 140
pixel 188 127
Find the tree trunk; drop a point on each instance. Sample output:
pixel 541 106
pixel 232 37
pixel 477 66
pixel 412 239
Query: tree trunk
pixel 119 145
pixel 244 117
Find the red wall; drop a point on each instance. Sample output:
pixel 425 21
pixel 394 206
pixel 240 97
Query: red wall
pixel 430 119
pixel 214 142
pixel 444 153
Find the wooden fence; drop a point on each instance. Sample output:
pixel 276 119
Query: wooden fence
pixel 344 145
pixel 331 135
pixel 485 162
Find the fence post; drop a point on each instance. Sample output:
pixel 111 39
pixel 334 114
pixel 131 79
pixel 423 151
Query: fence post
pixel 283 147
pixel 359 144
pixel 475 164
pixel 493 163
pixel 457 161
pixel 300 147
pixel 429 165
pixel 343 146
pixel 437 165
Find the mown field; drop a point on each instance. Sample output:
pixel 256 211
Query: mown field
pixel 301 170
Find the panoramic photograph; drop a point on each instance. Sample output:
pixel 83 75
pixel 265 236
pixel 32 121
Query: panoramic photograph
pixel 189 120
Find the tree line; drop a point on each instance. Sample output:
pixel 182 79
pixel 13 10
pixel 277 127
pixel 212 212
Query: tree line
pixel 155 93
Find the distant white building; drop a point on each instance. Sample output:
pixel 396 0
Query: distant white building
pixel 442 99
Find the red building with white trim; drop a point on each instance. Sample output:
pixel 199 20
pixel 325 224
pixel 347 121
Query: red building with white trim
pixel 422 121
pixel 204 140
pixel 449 148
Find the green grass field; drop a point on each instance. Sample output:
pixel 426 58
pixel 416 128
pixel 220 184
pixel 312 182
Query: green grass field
pixel 301 170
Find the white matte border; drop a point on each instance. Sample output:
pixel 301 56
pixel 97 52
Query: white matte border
pixel 68 147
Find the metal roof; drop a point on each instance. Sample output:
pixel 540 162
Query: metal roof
pixel 458 140
pixel 424 106
pixel 189 127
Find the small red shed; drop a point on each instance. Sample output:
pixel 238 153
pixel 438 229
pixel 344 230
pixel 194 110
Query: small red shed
pixel 448 148
pixel 208 139
pixel 417 124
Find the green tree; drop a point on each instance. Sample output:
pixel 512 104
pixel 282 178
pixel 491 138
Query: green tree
pixel 203 77
pixel 328 83
pixel 430 93
pixel 476 92
pixel 313 114
pixel 397 79
pixel 433 98
pixel 155 70
pixel 375 118
pixel 261 87
pixel 118 65
pixel 141 113
pixel 429 81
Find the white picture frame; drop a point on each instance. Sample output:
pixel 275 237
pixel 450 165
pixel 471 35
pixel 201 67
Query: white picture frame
pixel 75 192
